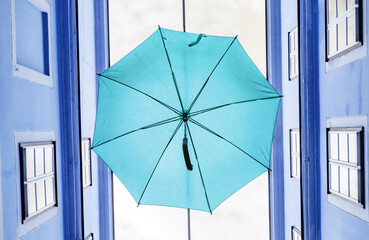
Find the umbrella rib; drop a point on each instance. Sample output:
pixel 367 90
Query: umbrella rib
pixel 214 133
pixel 126 85
pixel 232 103
pixel 170 140
pixel 198 164
pixel 207 80
pixel 141 128
pixel 171 70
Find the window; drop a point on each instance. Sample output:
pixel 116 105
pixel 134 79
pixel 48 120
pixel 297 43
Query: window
pixel 344 26
pixel 345 174
pixel 295 153
pixel 346 169
pixel 296 235
pixel 38 179
pixel 293 50
pixel 90 237
pixel 86 162
pixel 32 55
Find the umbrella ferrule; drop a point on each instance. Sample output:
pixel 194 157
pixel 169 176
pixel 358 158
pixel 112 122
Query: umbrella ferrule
pixel 185 116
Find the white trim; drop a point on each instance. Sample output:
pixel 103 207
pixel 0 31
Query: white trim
pixel 24 72
pixel 339 201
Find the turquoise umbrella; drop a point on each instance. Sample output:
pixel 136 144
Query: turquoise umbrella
pixel 185 120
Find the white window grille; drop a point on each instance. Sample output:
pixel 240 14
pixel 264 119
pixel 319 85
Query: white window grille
pixel 293 50
pixel 344 26
pixel 86 162
pixel 38 178
pixel 345 173
pixel 295 153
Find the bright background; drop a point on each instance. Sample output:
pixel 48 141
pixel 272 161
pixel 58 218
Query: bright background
pixel 245 215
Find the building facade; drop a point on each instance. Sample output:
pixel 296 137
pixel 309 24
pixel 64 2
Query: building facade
pixel 318 59
pixel 52 186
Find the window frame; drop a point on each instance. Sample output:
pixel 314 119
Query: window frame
pixel 294 229
pixel 361 189
pixel 359 27
pixel 294 31
pixel 83 162
pixel 23 169
pixel 298 171
pixel 21 71
pixel 90 237
pixel 358 210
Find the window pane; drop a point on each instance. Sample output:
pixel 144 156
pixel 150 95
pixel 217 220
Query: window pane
pixel 30 162
pixel 298 166
pixel 84 175
pixel 350 3
pixel 296 40
pixel 83 152
pixel 290 41
pixel 332 10
pixel 293 166
pixel 333 145
pixel 49 190
pixel 87 151
pixel 341 7
pixel 343 147
pixel 334 178
pixel 353 147
pixel 293 142
pixel 294 235
pixel 31 198
pixel 88 177
pixel 332 34
pixel 354 187
pixel 40 189
pixel 342 34
pixel 39 155
pixel 292 65
pixel 351 31
pixel 344 180
pixel 48 160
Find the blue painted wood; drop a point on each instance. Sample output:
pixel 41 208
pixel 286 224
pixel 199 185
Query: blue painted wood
pixel 30 108
pixel 343 92
pixel 276 179
pixel 104 174
pixel 69 107
pixel 309 118
pixel 291 110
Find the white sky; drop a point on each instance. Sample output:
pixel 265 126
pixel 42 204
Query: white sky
pixel 245 215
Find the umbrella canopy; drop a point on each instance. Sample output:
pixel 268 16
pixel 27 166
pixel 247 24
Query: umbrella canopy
pixel 185 120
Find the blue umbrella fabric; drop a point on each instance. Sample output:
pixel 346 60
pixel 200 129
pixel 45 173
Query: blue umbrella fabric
pixel 185 120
